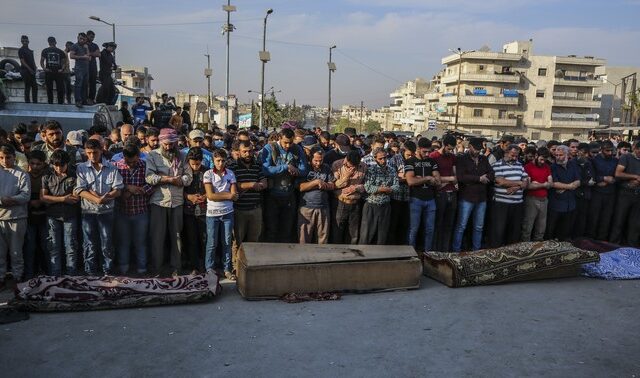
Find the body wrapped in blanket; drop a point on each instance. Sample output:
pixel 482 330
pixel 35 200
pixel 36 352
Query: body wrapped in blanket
pixel 48 294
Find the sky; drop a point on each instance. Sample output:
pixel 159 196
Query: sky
pixel 380 43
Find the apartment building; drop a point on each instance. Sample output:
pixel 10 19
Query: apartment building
pixel 513 91
pixel 408 106
pixel 354 113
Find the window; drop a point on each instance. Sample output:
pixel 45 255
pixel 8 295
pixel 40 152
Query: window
pixel 555 136
pixel 506 69
pixel 540 93
pixel 477 112
pixel 535 135
pixel 537 114
pixel 502 114
pixel 542 72
pixel 481 67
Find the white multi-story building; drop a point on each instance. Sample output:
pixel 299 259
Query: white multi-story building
pixel 408 106
pixel 515 92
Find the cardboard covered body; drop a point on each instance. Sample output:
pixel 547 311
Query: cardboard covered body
pixel 268 270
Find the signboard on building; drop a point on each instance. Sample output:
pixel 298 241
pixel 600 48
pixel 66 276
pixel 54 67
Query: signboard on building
pixel 244 121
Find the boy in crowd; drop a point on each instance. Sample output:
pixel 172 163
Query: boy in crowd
pixel 220 186
pixel 15 191
pixel 62 214
pixel 195 210
pixel 36 239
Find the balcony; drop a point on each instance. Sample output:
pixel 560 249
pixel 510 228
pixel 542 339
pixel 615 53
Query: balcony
pixel 490 78
pixel 506 122
pixel 575 124
pixel 432 96
pixel 483 55
pixel 395 108
pixel 578 81
pixel 568 102
pixel 396 95
pixel 581 61
pixel 470 99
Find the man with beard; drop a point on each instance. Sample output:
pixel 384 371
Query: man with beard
pixel 584 191
pixel 349 174
pixel 604 192
pixel 507 208
pixel 313 214
pixel 628 205
pixel 167 171
pixel 282 162
pixel 535 203
pixel 499 151
pixel 380 181
pixel 562 198
pixel 343 146
pixel 98 184
pixel 446 197
pixel 248 208
pixel 53 141
pixel 152 140
pixel 474 175
pixel 423 178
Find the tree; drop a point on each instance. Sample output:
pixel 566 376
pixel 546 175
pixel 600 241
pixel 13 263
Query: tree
pixel 372 127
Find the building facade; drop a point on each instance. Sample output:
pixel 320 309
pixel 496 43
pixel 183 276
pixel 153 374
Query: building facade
pixel 515 92
pixel 408 106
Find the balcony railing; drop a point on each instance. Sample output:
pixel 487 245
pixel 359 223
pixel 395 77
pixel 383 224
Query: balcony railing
pixel 580 61
pixel 578 81
pixel 493 78
pixel 470 99
pixel 575 123
pixel 574 102
pixel 483 55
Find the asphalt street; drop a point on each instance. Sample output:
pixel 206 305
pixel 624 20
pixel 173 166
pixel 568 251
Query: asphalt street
pixel 556 328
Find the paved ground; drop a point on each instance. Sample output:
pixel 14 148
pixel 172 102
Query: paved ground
pixel 557 328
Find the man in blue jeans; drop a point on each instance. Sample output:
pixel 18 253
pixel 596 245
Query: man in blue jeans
pixel 132 208
pixel 474 173
pixel 98 185
pixel 220 186
pixel 80 53
pixel 421 173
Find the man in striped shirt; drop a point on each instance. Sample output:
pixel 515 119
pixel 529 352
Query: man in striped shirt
pixel 508 210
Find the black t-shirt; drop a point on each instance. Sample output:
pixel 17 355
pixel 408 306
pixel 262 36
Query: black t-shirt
pixel 54 58
pixel 93 64
pixel 106 62
pixel 27 54
pixel 421 168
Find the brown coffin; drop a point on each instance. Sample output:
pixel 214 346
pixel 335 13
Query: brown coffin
pixel 268 270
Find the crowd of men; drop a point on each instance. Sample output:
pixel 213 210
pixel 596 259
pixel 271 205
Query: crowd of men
pixel 56 64
pixel 166 201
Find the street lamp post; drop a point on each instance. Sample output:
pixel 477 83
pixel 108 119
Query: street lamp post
pixel 113 28
pixel 613 100
pixel 460 53
pixel 332 68
pixel 227 28
pixel 264 57
pixel 208 72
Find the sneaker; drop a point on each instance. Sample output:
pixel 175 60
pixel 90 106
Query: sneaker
pixel 230 276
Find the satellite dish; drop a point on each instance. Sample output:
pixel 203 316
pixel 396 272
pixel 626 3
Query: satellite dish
pixel 559 73
pixel 485 48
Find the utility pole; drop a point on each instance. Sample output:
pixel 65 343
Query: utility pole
pixel 460 53
pixel 264 57
pixel 208 72
pixel 332 67
pixel 361 114
pixel 227 28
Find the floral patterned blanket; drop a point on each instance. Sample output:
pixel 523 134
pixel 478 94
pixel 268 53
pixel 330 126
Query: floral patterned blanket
pixel 619 264
pixel 47 294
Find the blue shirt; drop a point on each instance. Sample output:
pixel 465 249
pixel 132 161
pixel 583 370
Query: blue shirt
pixel 139 112
pixel 276 170
pixel 316 198
pixel 604 167
pixel 119 156
pixel 100 182
pixel 565 201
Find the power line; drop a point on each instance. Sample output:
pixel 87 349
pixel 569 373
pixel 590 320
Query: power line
pixel 130 25
pixel 368 67
pixel 284 42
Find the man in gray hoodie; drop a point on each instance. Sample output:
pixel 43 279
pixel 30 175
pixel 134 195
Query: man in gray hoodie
pixel 15 192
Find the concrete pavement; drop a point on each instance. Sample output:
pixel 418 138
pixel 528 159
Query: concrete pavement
pixel 555 328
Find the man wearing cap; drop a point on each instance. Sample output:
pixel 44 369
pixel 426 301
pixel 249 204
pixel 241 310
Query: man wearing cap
pixel 167 171
pixel 282 162
pixel 474 174
pixel 309 142
pixel 343 145
pixel 196 139
pixel 107 92
pixel 52 61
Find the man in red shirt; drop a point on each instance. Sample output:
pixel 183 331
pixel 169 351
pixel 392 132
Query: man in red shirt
pixel 446 197
pixel 535 203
